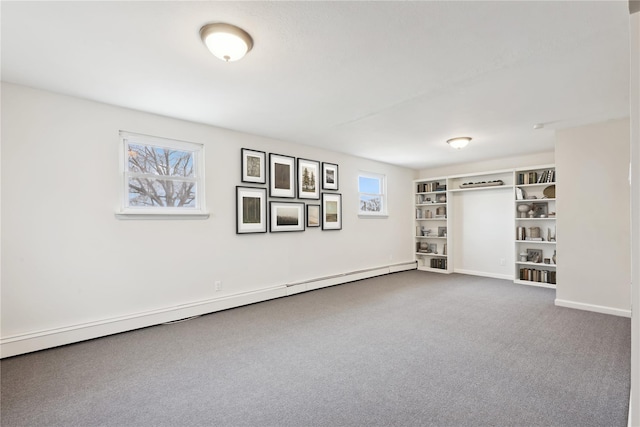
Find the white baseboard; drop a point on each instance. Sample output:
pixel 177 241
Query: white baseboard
pixel 594 308
pixel 40 340
pixel 483 274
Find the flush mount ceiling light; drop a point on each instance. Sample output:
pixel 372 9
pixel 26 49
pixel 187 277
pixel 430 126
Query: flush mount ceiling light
pixel 226 41
pixel 459 142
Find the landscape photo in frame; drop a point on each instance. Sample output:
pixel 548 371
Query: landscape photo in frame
pixel 331 211
pixel 308 176
pixel 286 216
pixel 253 166
pixel 282 177
pixel 313 215
pixel 251 210
pixel 329 176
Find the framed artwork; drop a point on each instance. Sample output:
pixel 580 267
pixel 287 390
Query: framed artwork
pixel 534 255
pixel 254 166
pixel 251 210
pixel 282 176
pixel 313 215
pixel 442 231
pixel 308 175
pixel 331 211
pixel 540 209
pixel 286 216
pixel 329 176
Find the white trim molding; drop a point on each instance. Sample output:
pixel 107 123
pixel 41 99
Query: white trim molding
pixel 592 307
pixel 40 340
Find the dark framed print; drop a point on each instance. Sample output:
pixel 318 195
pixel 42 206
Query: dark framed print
pixel 286 216
pixel 308 175
pixel 254 166
pixel 251 210
pixel 313 215
pixel 331 211
pixel 282 176
pixel 329 176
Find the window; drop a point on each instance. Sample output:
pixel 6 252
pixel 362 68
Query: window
pixel 372 188
pixel 162 177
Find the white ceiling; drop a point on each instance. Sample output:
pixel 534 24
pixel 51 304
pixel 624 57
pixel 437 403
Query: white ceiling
pixel 389 81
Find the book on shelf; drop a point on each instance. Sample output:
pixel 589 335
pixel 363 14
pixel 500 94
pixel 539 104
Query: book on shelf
pixel 430 187
pixel 540 276
pixel 534 239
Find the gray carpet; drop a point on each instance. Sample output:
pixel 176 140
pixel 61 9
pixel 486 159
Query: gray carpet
pixel 408 349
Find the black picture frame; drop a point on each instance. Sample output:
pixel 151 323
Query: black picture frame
pixel 330 176
pixel 534 255
pixel 253 166
pixel 314 214
pixel 282 176
pixel 308 177
pixel 331 211
pixel 286 216
pixel 251 210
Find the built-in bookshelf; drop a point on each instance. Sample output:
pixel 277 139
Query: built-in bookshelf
pixel 535 221
pixel 432 239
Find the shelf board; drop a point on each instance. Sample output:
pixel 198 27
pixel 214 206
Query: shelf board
pixel 537 184
pixel 544 199
pixel 432 204
pixel 537 219
pixel 430 237
pixel 543 242
pixel 538 284
pixel 431 219
pixel 434 270
pixel 536 264
pixel 431 254
pixel 489 187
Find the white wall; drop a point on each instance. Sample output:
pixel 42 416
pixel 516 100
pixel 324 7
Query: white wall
pixel 71 270
pixel 594 270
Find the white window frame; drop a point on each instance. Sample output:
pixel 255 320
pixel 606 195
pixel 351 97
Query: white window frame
pixel 382 178
pixel 160 212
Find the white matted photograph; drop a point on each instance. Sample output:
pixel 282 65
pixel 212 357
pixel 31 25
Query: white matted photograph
pixel 254 166
pixel 282 176
pixel 308 176
pixel 286 216
pixel 331 211
pixel 251 210
pixel 329 176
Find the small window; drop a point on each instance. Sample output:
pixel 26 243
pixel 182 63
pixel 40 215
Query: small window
pixel 372 188
pixel 162 176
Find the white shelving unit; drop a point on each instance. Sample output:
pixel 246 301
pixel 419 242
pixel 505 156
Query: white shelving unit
pixel 432 238
pixel 535 219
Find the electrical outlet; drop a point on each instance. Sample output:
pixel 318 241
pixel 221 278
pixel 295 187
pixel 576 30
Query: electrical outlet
pixel 502 261
pixel 218 285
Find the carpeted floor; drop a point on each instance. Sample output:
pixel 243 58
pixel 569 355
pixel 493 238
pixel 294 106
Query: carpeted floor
pixel 408 349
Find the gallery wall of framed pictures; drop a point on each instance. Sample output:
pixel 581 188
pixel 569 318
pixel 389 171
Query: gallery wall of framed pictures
pixel 288 178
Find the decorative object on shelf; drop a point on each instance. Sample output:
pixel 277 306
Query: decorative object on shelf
pixel 253 166
pixel 520 194
pixel 251 210
pixel 226 41
pixel 423 247
pixel 521 233
pixel 441 212
pixel 442 231
pixel 329 176
pixel 540 209
pixel 534 233
pixel 547 261
pixel 523 209
pixel 308 172
pixel 429 214
pixel 444 249
pixel 433 248
pixel 531 213
pixel 442 198
pixel 551 236
pixel 550 192
pixel 426 232
pixel 482 184
pixel 459 142
pixel 534 255
pixel 523 257
pixel 554 256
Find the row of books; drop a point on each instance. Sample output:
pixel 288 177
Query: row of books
pixel 440 263
pixel 537 177
pixel 541 276
pixel 429 187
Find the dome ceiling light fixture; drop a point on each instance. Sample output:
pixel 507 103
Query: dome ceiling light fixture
pixel 226 41
pixel 459 142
